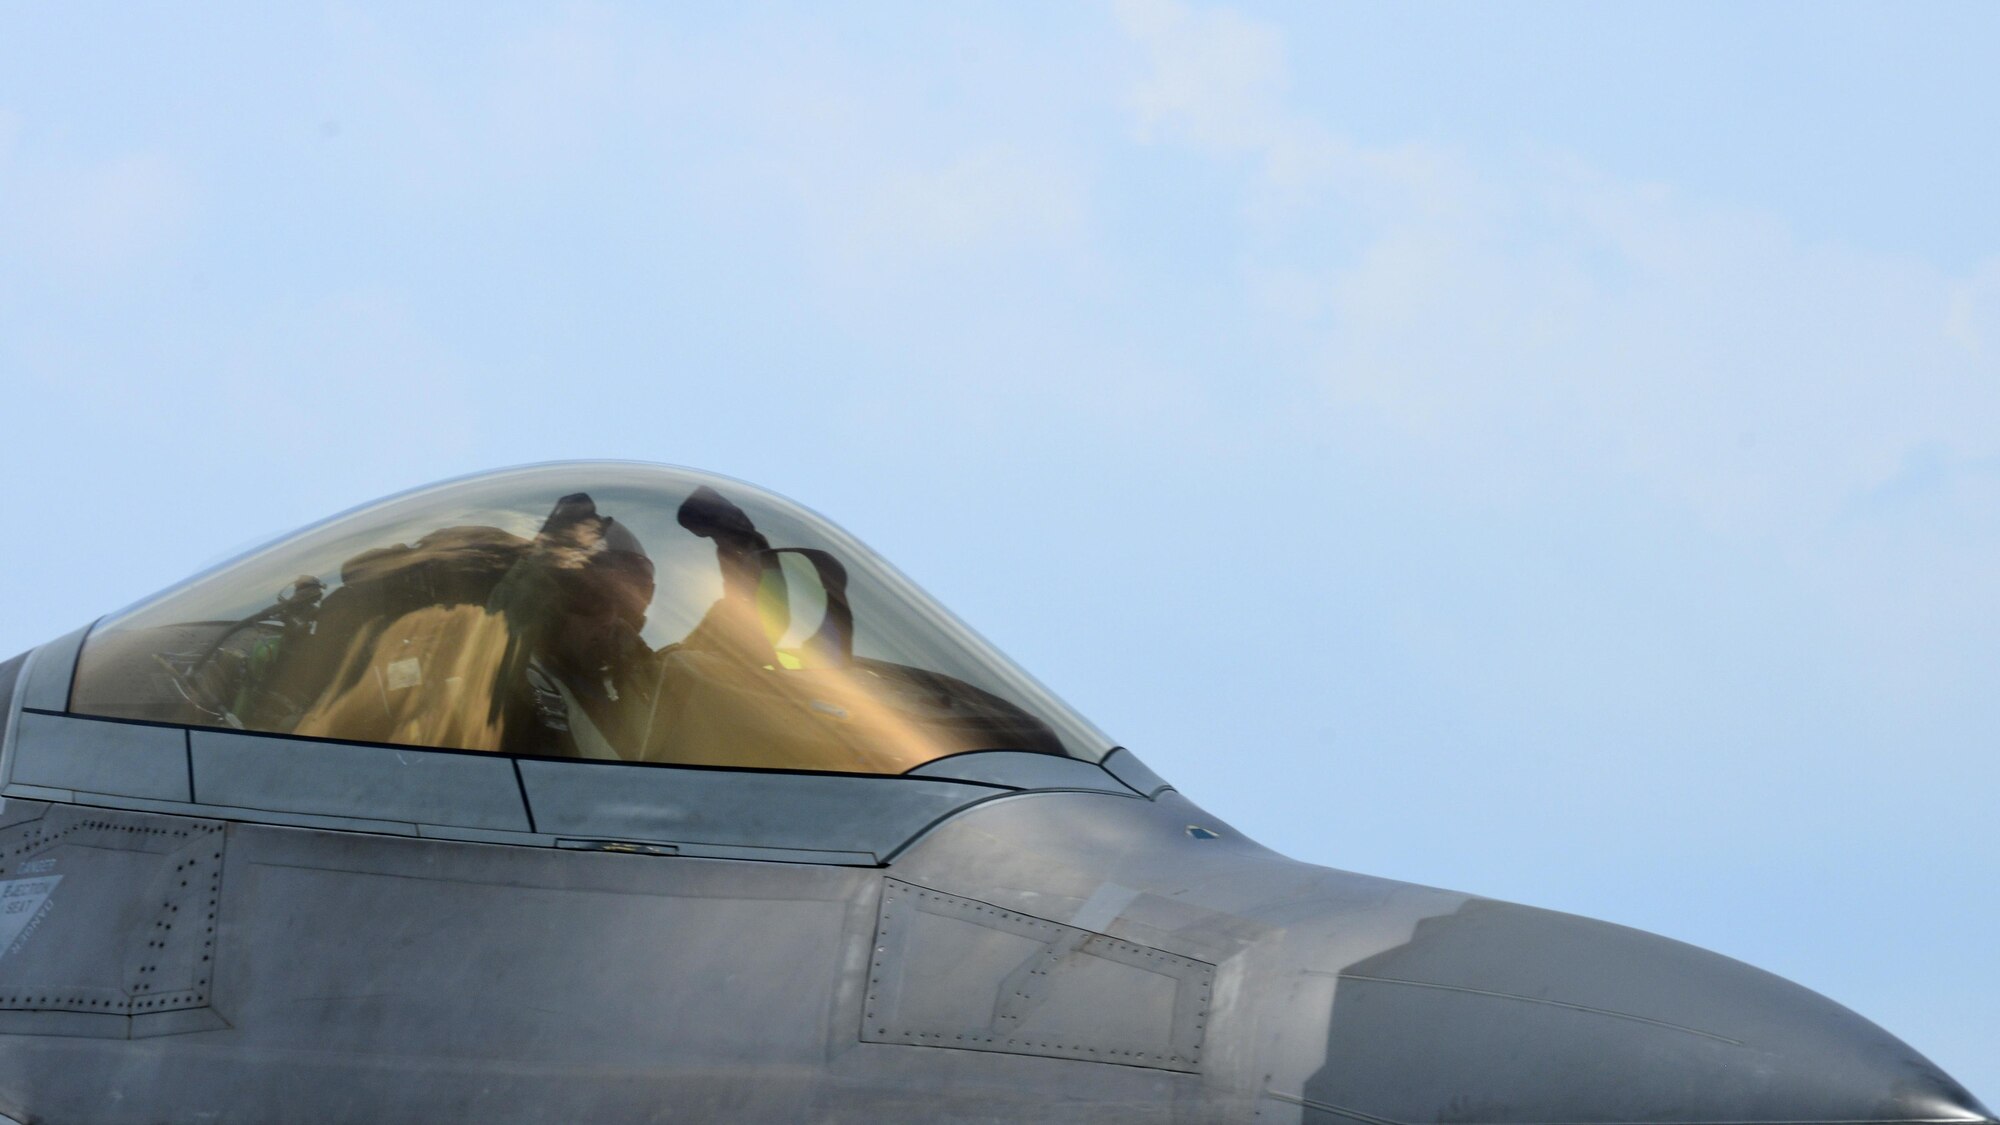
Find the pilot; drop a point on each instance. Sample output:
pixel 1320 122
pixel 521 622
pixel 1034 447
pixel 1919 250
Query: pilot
pixel 580 674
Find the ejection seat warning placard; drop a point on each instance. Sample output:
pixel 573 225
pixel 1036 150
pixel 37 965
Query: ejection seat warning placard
pixel 23 902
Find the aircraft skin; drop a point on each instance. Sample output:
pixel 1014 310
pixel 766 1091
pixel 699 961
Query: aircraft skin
pixel 205 922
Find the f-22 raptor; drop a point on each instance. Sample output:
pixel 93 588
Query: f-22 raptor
pixel 615 792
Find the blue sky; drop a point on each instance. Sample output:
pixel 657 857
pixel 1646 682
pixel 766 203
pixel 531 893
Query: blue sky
pixel 1549 452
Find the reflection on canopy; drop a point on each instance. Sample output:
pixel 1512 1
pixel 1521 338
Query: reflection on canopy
pixel 610 611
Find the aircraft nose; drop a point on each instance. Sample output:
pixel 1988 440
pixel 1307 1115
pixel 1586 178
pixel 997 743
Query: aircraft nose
pixel 1504 1015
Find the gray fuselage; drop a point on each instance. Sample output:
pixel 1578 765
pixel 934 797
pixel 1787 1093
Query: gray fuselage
pixel 1045 955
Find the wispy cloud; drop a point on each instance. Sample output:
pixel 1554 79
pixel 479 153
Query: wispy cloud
pixel 1536 316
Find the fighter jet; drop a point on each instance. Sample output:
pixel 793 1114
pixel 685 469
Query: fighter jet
pixel 614 792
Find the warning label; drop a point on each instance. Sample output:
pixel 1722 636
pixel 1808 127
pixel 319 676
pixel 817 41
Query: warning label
pixel 23 905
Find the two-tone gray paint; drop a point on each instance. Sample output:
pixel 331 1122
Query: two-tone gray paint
pixel 215 926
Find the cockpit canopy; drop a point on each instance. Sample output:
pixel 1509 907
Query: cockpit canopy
pixel 607 610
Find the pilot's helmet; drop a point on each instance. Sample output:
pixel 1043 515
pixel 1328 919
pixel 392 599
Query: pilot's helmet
pixel 601 567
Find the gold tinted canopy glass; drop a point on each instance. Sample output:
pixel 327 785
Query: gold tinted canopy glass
pixel 595 610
